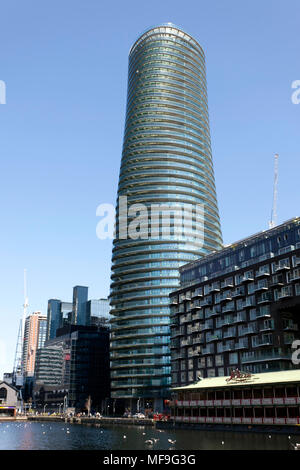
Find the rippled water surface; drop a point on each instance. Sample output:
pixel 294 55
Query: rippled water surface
pixel 45 435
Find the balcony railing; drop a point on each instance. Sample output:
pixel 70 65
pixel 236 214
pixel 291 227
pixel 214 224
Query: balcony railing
pixel 227 283
pixel 208 325
pixel 198 293
pixel 263 271
pixel 284 292
pixel 252 329
pixel 225 296
pixel 257 356
pixel 230 307
pixel 213 337
pixel 266 297
pixel 257 342
pixel 293 275
pixel 230 333
pixel 198 340
pixel 242 344
pixel 209 349
pixel 239 292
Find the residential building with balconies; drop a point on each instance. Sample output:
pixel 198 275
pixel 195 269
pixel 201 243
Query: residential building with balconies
pixel 238 308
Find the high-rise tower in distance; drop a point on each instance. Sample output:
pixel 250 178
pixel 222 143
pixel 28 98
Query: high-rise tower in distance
pixel 34 338
pixel 166 164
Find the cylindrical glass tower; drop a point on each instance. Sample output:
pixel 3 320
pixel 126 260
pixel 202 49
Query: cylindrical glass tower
pixel 166 161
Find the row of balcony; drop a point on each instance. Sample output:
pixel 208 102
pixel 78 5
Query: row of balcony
pixel 240 290
pixel 231 346
pixel 265 297
pixel 219 334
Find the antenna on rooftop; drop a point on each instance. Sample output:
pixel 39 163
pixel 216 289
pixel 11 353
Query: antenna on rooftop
pixel 273 221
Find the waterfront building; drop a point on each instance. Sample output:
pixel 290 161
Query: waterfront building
pixel 238 308
pixel 271 398
pixel 72 367
pixel 34 337
pixel 90 371
pixel 166 162
pixel 50 367
pixel 9 399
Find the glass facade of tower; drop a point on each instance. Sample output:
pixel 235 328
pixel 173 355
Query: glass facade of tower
pixel 166 161
pixel 54 317
pixel 42 334
pixel 79 311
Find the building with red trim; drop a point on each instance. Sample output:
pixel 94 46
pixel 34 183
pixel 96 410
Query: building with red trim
pixel 271 398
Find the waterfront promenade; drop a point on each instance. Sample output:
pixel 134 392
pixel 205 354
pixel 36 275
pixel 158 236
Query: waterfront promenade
pixel 93 420
pixel 82 420
pixel 159 425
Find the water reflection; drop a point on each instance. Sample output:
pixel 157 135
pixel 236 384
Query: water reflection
pixel 50 436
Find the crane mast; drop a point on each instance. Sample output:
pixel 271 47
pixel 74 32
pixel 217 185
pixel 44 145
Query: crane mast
pixel 273 221
pixel 19 369
pixel 25 306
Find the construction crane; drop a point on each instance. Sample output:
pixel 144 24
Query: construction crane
pixel 25 305
pixel 273 221
pixel 18 372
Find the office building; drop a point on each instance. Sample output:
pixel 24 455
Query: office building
pixel 238 308
pixel 166 162
pixel 54 317
pixel 62 313
pixel 89 373
pixel 98 312
pixel 79 310
pixel 73 367
pixel 66 313
pixel 50 368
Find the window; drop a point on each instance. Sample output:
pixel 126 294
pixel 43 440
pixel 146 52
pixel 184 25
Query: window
pixel 211 373
pixel 219 360
pixel 201 362
pixel 174 378
pixel 210 361
pixel 3 393
pixel 233 358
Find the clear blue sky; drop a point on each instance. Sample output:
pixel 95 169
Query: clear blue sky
pixel 65 67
